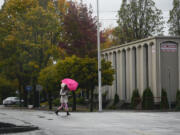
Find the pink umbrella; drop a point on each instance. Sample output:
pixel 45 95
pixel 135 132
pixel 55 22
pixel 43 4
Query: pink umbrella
pixel 71 84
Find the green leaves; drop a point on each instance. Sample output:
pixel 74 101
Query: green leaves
pixel 6 87
pixel 48 78
pixel 138 20
pixel 174 19
pixel 29 36
pixel 135 99
pixel 147 99
pixel 164 100
pixel 84 70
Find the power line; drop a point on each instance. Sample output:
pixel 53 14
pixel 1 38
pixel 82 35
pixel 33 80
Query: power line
pixel 116 11
pixel 109 19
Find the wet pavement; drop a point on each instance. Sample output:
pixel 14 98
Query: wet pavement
pixel 105 123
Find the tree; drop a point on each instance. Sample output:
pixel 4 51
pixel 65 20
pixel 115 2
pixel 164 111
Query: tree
pixel 70 67
pixel 29 42
pixel 135 99
pixel 138 19
pixel 178 100
pixel 48 79
pixel 84 71
pixel 79 31
pixel 174 19
pixel 109 38
pixel 62 8
pixel 7 88
pixel 116 99
pixel 164 100
pixel 147 99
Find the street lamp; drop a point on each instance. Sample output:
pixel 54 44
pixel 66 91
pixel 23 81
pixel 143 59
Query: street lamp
pixel 99 60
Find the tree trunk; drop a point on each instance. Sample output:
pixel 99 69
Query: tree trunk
pixel 25 95
pixel 91 103
pixel 20 94
pixel 50 100
pixel 87 93
pixel 35 95
pixel 74 101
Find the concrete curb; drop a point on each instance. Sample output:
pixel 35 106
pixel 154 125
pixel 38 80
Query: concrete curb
pixel 11 128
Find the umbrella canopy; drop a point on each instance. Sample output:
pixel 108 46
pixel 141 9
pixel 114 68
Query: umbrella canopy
pixel 71 84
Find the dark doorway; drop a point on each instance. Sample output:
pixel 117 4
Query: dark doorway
pixel 169 69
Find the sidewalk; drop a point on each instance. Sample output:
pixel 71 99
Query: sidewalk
pixel 104 123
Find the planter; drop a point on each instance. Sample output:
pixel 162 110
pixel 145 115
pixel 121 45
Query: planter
pixel 30 106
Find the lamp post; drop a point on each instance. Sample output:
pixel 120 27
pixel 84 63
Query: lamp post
pixel 99 59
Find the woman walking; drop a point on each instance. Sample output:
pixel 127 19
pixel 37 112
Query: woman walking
pixel 63 99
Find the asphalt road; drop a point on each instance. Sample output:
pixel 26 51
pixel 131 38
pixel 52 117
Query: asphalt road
pixel 105 123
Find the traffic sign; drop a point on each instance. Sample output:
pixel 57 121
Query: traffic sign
pixel 39 87
pixel 28 88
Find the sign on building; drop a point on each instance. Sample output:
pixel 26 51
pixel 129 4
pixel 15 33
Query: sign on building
pixel 168 47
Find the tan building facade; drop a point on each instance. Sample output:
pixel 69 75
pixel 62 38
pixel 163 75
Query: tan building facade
pixel 153 62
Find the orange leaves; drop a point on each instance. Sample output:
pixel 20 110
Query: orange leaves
pixel 62 6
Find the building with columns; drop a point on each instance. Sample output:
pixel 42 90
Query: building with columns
pixel 152 62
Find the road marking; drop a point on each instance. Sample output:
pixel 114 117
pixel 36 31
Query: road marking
pixel 41 116
pixel 140 132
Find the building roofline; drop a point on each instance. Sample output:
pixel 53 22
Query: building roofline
pixel 139 41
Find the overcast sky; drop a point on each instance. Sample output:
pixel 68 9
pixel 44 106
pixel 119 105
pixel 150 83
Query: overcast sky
pixel 108 10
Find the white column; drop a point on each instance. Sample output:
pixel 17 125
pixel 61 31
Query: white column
pixel 106 57
pixel 128 74
pixel 158 73
pixel 150 65
pixel 114 59
pixel 108 87
pixel 102 56
pixel 132 74
pixel 118 73
pixel 154 73
pixel 111 87
pixel 138 69
pixel 121 75
pixel 144 78
pixel 124 75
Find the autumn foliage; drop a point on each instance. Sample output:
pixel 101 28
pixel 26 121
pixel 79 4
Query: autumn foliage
pixel 79 31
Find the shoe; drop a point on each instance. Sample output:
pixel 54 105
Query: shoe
pixel 68 113
pixel 56 112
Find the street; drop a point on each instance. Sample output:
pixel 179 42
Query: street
pixel 105 123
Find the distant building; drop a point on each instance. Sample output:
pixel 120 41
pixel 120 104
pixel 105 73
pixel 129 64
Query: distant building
pixel 153 62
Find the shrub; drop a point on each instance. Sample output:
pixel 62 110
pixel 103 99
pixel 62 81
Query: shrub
pixel 164 100
pixel 135 100
pixel 147 99
pixel 80 100
pixel 44 104
pixel 56 102
pixel 104 100
pixel 70 101
pixel 104 95
pixel 116 99
pixel 178 100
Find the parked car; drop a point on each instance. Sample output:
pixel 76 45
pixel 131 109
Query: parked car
pixel 11 101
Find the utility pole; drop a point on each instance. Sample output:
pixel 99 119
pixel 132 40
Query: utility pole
pixel 99 60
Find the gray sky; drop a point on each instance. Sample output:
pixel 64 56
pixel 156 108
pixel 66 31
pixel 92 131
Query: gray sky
pixel 108 10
